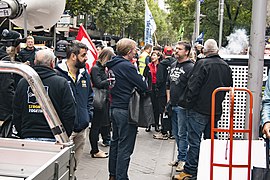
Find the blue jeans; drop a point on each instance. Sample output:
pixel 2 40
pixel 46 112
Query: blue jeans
pixel 196 124
pixel 122 144
pixel 179 131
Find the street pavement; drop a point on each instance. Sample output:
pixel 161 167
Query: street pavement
pixel 149 160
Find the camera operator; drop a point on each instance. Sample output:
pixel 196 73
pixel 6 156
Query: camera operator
pixel 9 41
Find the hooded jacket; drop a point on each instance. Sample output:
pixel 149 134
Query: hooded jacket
pixel 6 90
pixel 28 116
pixel 83 95
pixel 126 79
pixel 162 75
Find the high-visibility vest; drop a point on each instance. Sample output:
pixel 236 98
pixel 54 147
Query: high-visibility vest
pixel 142 62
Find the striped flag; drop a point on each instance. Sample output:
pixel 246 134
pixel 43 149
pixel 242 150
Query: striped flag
pixel 150 25
pixel 92 53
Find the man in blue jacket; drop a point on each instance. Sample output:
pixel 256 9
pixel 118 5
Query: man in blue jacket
pixel 124 134
pixel 265 120
pixel 73 69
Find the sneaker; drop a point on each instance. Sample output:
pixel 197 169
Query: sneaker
pixel 180 166
pixel 173 163
pixel 182 176
pixel 160 136
pixel 171 137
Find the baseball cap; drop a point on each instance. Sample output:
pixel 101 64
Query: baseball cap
pixel 168 50
pixel 61 48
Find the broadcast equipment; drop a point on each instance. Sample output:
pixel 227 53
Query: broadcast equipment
pixel 36 15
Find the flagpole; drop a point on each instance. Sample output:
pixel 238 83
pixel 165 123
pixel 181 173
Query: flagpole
pixel 221 22
pixel 150 25
pixel 155 36
pixel 197 20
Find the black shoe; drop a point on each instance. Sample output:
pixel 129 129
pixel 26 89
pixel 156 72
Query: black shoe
pixel 148 129
pixel 171 136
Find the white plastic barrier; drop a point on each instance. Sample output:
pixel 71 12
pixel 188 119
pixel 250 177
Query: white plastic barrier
pixel 240 156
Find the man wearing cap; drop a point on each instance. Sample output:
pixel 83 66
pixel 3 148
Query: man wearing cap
pixel 8 81
pixel 162 74
pixel 61 50
pixel 208 74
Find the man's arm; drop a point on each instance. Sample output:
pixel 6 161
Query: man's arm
pixel 67 108
pixel 266 129
pixel 265 121
pixel 90 101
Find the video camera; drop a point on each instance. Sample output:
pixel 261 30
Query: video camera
pixel 10 38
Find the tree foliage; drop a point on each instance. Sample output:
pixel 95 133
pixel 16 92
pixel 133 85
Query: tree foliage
pixel 124 18
pixel 237 14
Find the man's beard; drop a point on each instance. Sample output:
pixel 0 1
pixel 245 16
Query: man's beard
pixel 79 64
pixel 179 56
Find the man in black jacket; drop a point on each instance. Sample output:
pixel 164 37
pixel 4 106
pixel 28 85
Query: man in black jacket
pixel 6 90
pixel 208 74
pixel 178 72
pixel 8 81
pixel 28 116
pixel 27 55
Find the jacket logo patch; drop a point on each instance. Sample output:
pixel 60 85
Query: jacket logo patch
pixel 84 83
pixel 176 73
pixel 33 105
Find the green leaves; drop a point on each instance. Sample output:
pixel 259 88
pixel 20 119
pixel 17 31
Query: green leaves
pixel 124 17
pixel 237 14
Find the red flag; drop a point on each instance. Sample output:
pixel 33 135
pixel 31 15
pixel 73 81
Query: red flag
pixel 92 53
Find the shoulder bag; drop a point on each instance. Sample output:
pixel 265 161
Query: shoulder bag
pixel 140 110
pixel 100 98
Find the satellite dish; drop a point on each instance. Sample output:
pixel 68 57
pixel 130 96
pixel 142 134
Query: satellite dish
pixel 40 14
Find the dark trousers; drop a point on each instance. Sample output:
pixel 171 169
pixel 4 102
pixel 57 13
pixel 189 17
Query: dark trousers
pixel 166 123
pixel 122 144
pixel 156 107
pixel 105 132
pixel 94 137
pixel 98 125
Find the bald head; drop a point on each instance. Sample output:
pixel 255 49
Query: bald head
pixel 45 57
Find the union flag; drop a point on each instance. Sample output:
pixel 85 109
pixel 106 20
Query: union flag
pixel 92 53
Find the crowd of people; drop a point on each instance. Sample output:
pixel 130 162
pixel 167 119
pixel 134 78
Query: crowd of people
pixel 180 80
